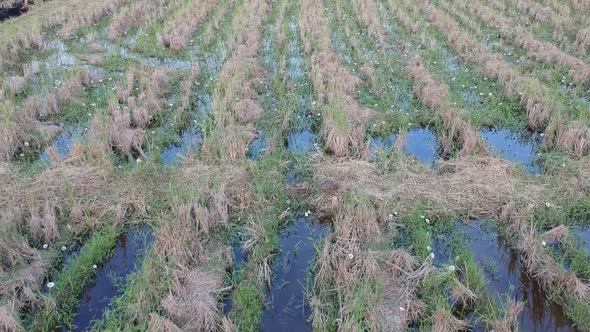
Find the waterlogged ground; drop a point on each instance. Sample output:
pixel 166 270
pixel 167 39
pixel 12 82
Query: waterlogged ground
pixel 421 144
pixel 507 278
pixel 515 147
pixel 302 166
pixel 110 279
pixel 287 306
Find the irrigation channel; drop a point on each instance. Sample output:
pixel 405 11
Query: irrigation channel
pixel 507 277
pixel 286 296
pixel 110 279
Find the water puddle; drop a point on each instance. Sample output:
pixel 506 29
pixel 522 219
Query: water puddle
pixel 191 139
pixel 288 308
pixel 379 145
pixel 514 147
pixel 70 253
pixel 258 145
pixel 128 254
pixel 61 58
pixel 239 257
pixel 302 141
pixel 584 233
pixel 292 177
pixel 6 13
pixel 63 143
pixel 295 69
pixel 205 103
pixel 507 277
pixel 421 143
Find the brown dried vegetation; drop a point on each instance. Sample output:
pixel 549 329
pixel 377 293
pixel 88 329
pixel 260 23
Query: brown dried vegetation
pixel 343 119
pixel 474 186
pixel 191 303
pixel 143 96
pixel 540 103
pixel 92 13
pixel 26 124
pixel 179 30
pixel 235 99
pixel 137 14
pixel 548 52
pixel 509 322
pixel 434 95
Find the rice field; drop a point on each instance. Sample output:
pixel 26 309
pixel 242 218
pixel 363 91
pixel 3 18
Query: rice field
pixel 258 165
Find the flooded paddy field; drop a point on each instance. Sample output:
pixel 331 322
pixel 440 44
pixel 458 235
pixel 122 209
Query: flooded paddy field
pixel 252 165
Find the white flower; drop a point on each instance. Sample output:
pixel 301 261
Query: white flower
pixel 427 221
pixel 422 217
pixel 45 246
pixel 64 248
pixel 390 216
pixel 50 284
pixel 402 309
pixel 431 255
pixel 452 268
pixel 543 243
pixel 27 144
pixel 547 204
pixel 350 256
pixel 428 248
pixel 138 160
pixel 94 266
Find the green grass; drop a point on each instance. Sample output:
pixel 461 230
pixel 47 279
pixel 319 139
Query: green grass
pixel 247 305
pixel 549 75
pixel 387 90
pixel 70 282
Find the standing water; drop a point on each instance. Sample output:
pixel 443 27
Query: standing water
pixel 584 233
pixel 128 254
pixel 257 147
pixel 63 143
pixel 288 308
pixel 421 143
pixel 191 139
pixel 514 147
pixel 506 276
pixel 6 13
